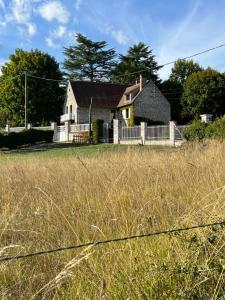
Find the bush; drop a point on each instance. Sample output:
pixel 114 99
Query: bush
pixel 216 129
pixel 195 131
pixel 14 140
pixel 97 130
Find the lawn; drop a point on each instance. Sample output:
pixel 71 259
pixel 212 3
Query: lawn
pixel 68 196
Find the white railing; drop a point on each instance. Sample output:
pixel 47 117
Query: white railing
pixel 43 128
pixel 130 132
pixel 60 128
pixel 157 132
pixel 179 130
pixel 16 129
pixel 79 127
pixel 67 117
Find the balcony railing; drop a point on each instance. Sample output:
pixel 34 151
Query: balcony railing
pixel 67 117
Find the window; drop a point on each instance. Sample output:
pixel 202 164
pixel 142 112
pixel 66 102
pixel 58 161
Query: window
pixel 66 109
pixel 128 97
pixel 71 109
pixel 127 113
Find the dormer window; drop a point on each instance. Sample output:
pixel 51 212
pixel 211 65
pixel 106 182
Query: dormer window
pixel 128 97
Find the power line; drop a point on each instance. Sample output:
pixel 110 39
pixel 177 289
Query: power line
pixel 115 240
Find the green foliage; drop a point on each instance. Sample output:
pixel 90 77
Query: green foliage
pixel 88 59
pixel 204 93
pixel 182 69
pixel 195 131
pixel 139 60
pixel 216 129
pixel 14 140
pixel 45 98
pixel 131 120
pixel 97 130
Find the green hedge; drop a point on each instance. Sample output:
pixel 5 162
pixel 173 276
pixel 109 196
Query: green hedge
pixel 216 129
pixel 97 130
pixel 12 140
pixel 198 130
pixel 195 131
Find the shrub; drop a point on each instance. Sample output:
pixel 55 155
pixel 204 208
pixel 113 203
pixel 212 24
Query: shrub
pixel 97 130
pixel 216 129
pixel 195 131
pixel 14 140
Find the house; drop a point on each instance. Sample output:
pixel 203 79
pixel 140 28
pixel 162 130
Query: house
pixel 142 100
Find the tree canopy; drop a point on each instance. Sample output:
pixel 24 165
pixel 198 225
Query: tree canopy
pixel 45 98
pixel 182 69
pixel 204 92
pixel 88 60
pixel 138 60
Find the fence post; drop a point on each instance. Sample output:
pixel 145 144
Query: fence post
pixel 29 126
pixel 54 128
pixel 7 128
pixel 143 132
pixel 67 130
pixel 115 131
pixel 172 126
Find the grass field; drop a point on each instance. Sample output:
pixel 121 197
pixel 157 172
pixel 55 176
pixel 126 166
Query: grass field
pixel 68 196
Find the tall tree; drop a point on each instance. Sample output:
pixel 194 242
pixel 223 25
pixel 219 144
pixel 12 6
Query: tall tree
pixel 88 59
pixel 182 69
pixel 45 98
pixel 204 92
pixel 138 60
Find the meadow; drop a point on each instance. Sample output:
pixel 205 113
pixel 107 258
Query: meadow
pixel 71 196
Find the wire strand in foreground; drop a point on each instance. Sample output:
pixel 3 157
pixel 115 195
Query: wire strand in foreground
pixel 119 239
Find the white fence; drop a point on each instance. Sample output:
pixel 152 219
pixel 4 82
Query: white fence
pixel 157 132
pixel 79 127
pixel 166 135
pixel 130 132
pixel 16 129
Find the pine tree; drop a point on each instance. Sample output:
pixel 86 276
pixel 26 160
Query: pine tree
pixel 89 60
pixel 138 60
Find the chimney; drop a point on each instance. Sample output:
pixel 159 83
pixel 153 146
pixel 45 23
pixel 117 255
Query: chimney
pixel 142 82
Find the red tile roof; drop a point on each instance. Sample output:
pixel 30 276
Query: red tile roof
pixel 104 95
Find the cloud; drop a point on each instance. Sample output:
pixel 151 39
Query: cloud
pixel 20 12
pixel 77 4
pixel 54 10
pixel 119 36
pixel 2 5
pixel 55 36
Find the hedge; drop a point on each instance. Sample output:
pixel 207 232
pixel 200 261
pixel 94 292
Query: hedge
pixel 198 130
pixel 97 130
pixel 12 140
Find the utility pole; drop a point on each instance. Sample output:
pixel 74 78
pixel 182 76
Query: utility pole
pixel 25 98
pixel 90 108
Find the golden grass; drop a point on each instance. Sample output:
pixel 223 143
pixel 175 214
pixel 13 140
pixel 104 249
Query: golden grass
pixel 54 202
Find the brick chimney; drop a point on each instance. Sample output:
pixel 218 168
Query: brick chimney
pixel 142 82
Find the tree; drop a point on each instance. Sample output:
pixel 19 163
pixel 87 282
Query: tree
pixel 182 69
pixel 138 60
pixel 204 92
pixel 45 98
pixel 88 59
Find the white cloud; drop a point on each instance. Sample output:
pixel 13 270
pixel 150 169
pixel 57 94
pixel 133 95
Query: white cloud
pixel 2 5
pixel 77 4
pixel 20 12
pixel 55 36
pixel 120 37
pixel 54 10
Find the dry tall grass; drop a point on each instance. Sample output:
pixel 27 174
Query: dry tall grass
pixel 47 203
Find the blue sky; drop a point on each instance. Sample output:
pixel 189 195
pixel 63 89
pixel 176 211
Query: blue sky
pixel 172 28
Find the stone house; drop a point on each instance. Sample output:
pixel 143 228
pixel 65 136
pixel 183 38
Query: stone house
pixel 109 101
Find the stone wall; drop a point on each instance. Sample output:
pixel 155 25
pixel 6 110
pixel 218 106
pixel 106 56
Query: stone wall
pixel 152 104
pixel 97 113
